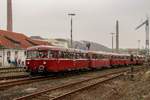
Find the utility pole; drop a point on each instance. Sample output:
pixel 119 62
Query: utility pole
pixel 9 16
pixel 71 30
pixel 139 46
pixel 117 36
pixel 112 41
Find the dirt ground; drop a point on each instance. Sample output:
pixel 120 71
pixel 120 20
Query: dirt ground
pixel 123 88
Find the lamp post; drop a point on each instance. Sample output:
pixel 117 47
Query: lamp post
pixel 112 41
pixel 139 46
pixel 71 24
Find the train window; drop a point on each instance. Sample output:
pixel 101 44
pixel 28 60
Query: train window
pixel 87 56
pixel 81 55
pixel 104 56
pixel 53 54
pixel 98 56
pixel 50 54
pixel 62 55
pixel 32 54
pixel 59 54
pixel 43 54
pixel 77 55
pixel 111 57
pixel 66 55
pixel 69 55
pixel 115 57
pixel 120 57
pixel 94 56
pixel 84 56
pixel 72 55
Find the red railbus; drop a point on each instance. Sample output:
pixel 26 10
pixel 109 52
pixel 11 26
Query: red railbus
pixel 55 59
pixel 48 59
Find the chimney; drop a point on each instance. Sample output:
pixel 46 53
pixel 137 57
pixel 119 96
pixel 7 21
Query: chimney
pixel 9 16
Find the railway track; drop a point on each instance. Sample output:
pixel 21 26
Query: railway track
pixel 27 80
pixel 12 73
pixel 24 79
pixel 11 69
pixel 70 88
pixel 13 76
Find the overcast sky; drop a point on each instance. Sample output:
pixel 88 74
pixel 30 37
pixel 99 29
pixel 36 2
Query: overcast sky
pixel 94 19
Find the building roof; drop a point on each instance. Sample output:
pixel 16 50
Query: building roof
pixel 17 40
pixel 37 37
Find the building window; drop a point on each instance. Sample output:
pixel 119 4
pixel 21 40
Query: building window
pixel 8 53
pixel 16 52
pixel 8 56
pixel 25 53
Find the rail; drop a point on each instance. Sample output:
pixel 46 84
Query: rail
pixel 73 87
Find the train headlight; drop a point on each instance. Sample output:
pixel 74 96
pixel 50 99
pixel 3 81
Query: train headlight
pixel 28 62
pixel 44 62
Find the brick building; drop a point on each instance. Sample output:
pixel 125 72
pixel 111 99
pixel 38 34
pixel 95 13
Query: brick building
pixel 13 46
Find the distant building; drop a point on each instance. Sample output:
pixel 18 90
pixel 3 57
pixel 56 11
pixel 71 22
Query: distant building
pixel 61 42
pixel 55 42
pixel 13 46
pixel 76 44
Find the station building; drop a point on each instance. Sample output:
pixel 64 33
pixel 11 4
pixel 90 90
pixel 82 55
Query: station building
pixel 13 46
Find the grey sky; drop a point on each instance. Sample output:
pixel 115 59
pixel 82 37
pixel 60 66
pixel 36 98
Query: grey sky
pixel 94 21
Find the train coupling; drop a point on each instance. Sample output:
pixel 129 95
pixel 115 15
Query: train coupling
pixel 41 68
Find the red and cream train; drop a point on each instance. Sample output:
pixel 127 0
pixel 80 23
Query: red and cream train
pixel 55 59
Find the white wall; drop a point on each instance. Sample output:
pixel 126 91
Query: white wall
pixel 3 56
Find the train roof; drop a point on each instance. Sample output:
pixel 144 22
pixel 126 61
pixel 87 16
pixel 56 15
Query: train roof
pixel 108 53
pixel 44 47
pixel 55 48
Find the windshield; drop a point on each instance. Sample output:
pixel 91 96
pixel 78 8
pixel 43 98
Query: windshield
pixel 37 54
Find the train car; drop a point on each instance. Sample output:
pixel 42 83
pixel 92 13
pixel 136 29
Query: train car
pixel 139 60
pixel 119 59
pixel 55 59
pixel 99 60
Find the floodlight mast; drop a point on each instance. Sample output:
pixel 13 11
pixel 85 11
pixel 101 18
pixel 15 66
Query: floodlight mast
pixel 146 23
